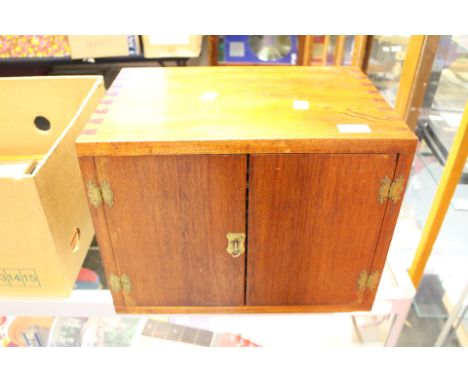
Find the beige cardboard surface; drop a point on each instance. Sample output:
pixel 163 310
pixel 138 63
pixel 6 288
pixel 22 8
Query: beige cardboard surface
pixel 98 46
pixel 21 101
pixel 28 260
pixel 39 212
pixel 172 46
pixel 65 213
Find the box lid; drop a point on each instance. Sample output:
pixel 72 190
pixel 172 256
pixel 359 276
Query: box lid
pixel 250 109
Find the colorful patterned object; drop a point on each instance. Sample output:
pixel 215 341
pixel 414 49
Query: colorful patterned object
pixel 5 341
pixel 25 46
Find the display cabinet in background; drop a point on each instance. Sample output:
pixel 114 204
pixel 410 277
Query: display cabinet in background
pixel 306 50
pixel 446 98
pixel 105 55
pixel 386 59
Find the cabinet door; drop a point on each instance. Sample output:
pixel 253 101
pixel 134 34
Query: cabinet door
pixel 314 222
pixel 168 227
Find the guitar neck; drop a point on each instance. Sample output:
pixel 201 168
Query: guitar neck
pixel 185 334
pixel 173 332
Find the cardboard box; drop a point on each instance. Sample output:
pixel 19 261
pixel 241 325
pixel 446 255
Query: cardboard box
pixel 45 225
pixel 103 46
pixel 159 46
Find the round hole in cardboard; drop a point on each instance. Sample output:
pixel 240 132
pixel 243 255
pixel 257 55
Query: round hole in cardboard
pixel 42 123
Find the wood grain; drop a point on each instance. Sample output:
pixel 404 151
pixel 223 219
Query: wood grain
pixel 367 54
pixel 88 171
pixel 359 51
pixel 326 43
pixel 339 49
pixel 240 309
pixel 409 73
pixel 159 110
pixel 169 223
pixel 357 143
pixel 421 80
pixel 403 167
pixel 306 44
pixel 314 222
pixel 213 46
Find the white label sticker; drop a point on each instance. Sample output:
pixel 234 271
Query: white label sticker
pixel 300 105
pixel 209 96
pixel 172 39
pixel 354 128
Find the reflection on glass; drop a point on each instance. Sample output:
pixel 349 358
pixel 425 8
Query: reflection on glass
pixel 446 97
pixel 320 43
pixel 317 53
pixel 348 50
pixel 386 62
pixel 445 273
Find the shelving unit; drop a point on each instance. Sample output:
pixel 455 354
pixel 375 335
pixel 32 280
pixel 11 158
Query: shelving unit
pixel 107 67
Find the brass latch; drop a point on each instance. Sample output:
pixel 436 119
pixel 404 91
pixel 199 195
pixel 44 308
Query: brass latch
pixel 235 244
pixel 391 190
pixel 117 283
pixel 97 194
pixel 368 281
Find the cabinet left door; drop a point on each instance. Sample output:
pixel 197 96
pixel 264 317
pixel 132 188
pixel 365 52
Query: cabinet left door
pixel 168 225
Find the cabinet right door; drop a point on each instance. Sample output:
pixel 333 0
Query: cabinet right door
pixel 313 225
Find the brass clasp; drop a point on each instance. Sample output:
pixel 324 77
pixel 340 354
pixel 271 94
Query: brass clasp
pixel 235 244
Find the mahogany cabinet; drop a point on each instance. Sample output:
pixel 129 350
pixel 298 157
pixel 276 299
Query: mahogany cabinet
pixel 244 189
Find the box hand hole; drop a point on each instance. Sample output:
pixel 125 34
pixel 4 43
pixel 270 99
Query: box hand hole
pixel 42 123
pixel 75 240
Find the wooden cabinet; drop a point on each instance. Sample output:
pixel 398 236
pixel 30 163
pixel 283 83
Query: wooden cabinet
pixel 244 189
pixel 310 236
pixel 172 239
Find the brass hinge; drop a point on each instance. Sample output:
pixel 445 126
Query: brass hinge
pixel 391 190
pixel 368 281
pixel 117 283
pixel 97 194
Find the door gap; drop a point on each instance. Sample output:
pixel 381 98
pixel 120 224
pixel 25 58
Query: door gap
pixel 387 207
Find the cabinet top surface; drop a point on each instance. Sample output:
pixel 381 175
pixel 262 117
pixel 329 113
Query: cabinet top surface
pixel 245 109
